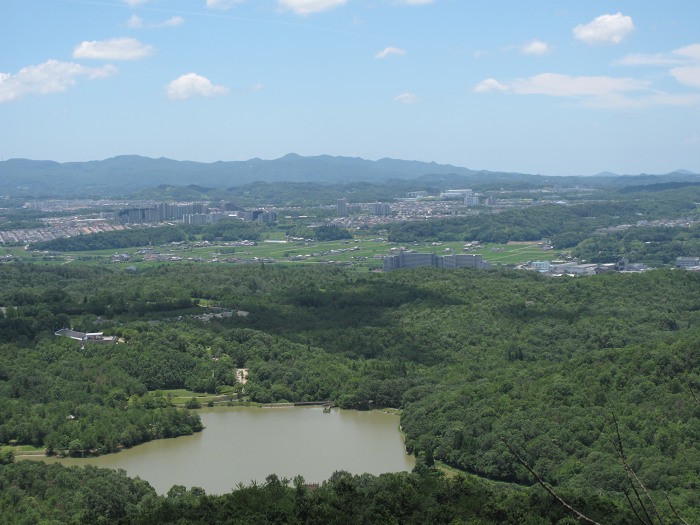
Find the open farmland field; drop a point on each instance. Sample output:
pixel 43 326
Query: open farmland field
pixel 361 253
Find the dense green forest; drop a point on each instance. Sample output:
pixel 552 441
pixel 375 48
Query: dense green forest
pixel 32 493
pixel 479 361
pixel 82 402
pixel 656 246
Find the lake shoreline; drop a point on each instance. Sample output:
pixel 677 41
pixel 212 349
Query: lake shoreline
pixel 253 444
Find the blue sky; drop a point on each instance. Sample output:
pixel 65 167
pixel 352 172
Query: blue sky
pixel 551 87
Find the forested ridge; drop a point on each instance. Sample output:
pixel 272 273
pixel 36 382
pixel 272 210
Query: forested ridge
pixel 477 360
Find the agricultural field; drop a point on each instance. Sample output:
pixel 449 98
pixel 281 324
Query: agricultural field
pixel 359 253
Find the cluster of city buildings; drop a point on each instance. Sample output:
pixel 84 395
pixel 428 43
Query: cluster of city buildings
pixel 417 205
pixel 58 228
pixel 343 209
pixel 623 265
pixel 191 213
pixel 467 196
pixel 576 268
pixel 161 212
pixel 420 205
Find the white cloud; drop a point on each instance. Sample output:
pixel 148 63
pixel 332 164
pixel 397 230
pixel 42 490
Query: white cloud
pixel 556 85
pixel 52 76
pixel 113 49
pixel 172 22
pixel 688 76
pixel 222 4
pixel 136 22
pixel 387 51
pixel 191 85
pixel 406 98
pixel 536 47
pixel 595 91
pixel 691 52
pixel 490 84
pixel 685 59
pixel 135 3
pixel 606 29
pixel 657 59
pixel 685 55
pixel 306 7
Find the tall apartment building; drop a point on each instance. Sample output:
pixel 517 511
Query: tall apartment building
pixel 471 200
pixel 161 212
pixel 195 218
pixel 416 194
pixel 462 260
pixel 341 207
pixel 267 217
pixel 407 260
pixel 176 212
pixel 138 216
pixel 380 208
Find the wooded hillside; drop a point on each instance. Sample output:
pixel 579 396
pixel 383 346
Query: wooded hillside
pixel 477 360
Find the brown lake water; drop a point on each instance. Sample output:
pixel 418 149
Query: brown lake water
pixel 239 445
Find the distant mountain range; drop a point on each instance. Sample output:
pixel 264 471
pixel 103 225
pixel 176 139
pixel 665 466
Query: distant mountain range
pixel 122 175
pixel 671 173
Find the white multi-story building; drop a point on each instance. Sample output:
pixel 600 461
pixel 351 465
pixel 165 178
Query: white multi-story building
pixel 540 266
pixel 406 260
pixel 687 262
pixel 471 200
pixel 456 194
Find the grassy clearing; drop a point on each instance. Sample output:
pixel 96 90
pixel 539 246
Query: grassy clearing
pixel 181 396
pixel 24 450
pixel 450 472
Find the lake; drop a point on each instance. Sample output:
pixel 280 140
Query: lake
pixel 242 444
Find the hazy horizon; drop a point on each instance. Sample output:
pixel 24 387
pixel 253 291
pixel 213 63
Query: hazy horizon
pixel 542 88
